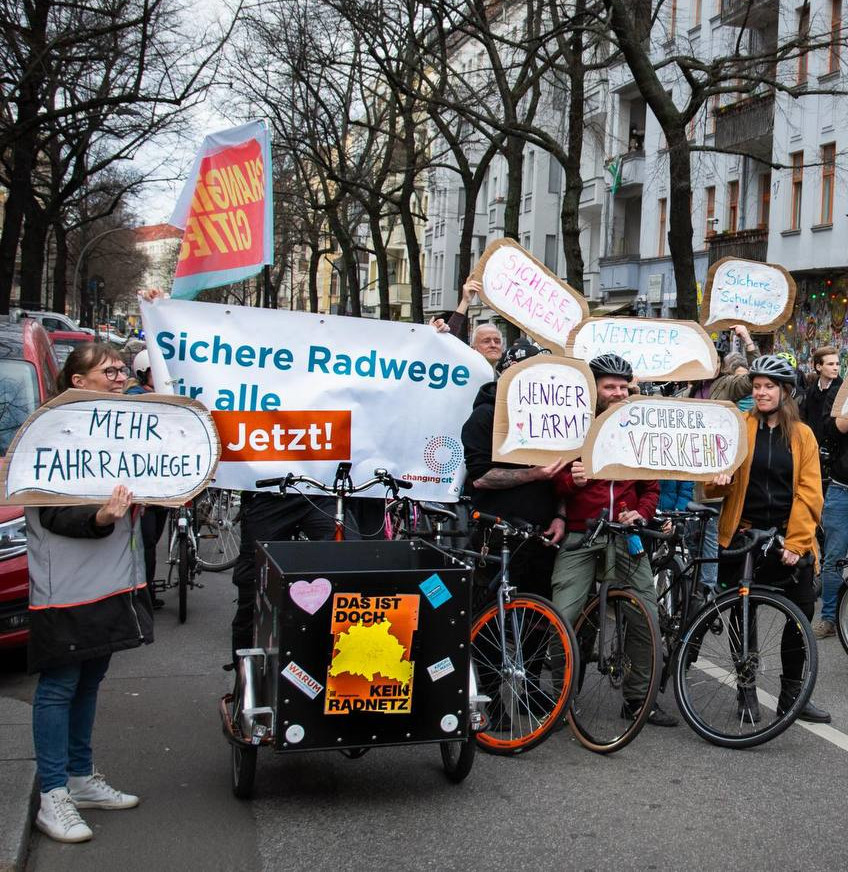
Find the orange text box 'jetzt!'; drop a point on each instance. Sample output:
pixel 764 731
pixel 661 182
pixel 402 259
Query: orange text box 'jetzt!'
pixel 291 435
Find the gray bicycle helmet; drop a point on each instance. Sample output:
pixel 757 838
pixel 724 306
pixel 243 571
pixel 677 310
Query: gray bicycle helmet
pixel 611 364
pixel 778 369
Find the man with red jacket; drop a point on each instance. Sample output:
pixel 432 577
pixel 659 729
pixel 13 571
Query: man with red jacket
pixel 627 502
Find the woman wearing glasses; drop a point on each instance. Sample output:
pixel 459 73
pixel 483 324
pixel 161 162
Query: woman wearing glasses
pixel 87 599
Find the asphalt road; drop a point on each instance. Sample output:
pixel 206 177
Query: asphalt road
pixel 669 801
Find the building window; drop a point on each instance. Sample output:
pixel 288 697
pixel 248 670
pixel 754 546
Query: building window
pixel 803 36
pixel 711 222
pixel 530 175
pixel 828 165
pixel 672 25
pixel 764 201
pixel 551 252
pixel 835 35
pixel 712 109
pixel 554 175
pixel 696 13
pixel 796 190
pixel 733 206
pixel 662 222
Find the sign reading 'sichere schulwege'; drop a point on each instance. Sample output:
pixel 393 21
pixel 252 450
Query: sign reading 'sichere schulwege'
pixel 760 296
pixel 79 446
pixel 529 295
pixel 651 438
pixel 297 392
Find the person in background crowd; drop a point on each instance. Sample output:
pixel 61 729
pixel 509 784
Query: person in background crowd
pixel 826 366
pixel 153 518
pixel 778 485
pixel 86 586
pixel 675 495
pixel 834 432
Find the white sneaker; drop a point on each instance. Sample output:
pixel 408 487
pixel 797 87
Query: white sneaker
pixel 92 791
pixel 58 817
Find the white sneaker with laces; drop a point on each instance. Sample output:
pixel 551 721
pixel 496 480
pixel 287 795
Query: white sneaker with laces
pixel 92 791
pixel 58 817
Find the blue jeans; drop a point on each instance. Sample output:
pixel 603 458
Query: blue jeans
pixel 835 523
pixel 62 720
pixel 709 571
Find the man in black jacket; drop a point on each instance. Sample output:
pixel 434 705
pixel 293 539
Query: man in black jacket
pixel 821 392
pixel 510 491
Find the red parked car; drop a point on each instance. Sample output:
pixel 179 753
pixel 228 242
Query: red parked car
pixel 65 341
pixel 28 373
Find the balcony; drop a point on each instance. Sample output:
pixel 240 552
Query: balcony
pixel 619 273
pixel 756 14
pixel 592 195
pixel 747 126
pixel 748 244
pixel 632 174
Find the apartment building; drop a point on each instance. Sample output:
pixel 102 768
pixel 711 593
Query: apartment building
pixel 786 203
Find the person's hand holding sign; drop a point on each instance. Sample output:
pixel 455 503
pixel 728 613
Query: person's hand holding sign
pixel 578 473
pixel 116 508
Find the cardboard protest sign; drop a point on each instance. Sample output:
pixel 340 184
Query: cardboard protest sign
pixel 840 402
pixel 543 410
pixel 76 448
pixel 759 295
pixel 297 392
pixel 651 438
pixel 529 295
pixel 656 349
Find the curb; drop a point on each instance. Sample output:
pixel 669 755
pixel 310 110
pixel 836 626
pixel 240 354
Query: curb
pixel 18 777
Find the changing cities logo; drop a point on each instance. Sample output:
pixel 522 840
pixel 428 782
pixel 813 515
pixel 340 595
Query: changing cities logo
pixel 443 454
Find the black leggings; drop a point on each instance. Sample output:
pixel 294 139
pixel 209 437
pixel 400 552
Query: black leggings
pixel 770 571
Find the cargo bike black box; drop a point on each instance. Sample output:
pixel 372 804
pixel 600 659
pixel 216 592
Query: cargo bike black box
pixel 356 645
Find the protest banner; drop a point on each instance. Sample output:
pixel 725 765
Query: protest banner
pixel 759 295
pixel 656 349
pixel 840 402
pixel 529 295
pixel 77 447
pixel 652 438
pixel 297 392
pixel 543 410
pixel 226 211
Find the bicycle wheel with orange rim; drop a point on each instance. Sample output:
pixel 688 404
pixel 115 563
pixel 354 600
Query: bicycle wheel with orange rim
pixel 529 680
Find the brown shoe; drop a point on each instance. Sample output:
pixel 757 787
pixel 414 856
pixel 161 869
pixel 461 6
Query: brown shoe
pixel 824 628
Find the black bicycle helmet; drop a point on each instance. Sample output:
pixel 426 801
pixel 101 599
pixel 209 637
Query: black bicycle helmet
pixel 520 350
pixel 778 369
pixel 611 364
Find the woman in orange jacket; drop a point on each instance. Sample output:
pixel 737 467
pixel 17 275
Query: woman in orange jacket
pixel 778 485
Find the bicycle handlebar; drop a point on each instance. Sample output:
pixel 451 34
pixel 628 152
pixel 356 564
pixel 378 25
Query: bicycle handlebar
pixel 596 526
pixel 524 529
pixel 338 487
pixel 755 537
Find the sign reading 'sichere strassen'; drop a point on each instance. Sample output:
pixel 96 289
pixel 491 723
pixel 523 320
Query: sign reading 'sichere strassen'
pixel 297 392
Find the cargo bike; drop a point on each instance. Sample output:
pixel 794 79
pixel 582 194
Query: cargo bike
pixel 357 645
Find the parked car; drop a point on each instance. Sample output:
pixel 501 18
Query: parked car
pixel 65 341
pixel 50 321
pixel 28 373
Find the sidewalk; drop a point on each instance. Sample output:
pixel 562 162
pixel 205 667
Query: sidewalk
pixel 17 775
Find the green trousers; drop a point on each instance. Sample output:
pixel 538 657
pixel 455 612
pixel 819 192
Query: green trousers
pixel 573 577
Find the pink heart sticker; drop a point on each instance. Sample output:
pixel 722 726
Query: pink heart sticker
pixel 310 595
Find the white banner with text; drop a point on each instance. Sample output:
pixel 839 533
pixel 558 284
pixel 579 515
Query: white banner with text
pixel 297 392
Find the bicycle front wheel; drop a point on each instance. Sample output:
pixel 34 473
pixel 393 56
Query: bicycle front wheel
pixel 217 517
pixel 728 687
pixel 842 616
pixel 530 681
pixel 616 685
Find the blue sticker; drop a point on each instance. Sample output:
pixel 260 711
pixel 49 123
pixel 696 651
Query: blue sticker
pixel 435 590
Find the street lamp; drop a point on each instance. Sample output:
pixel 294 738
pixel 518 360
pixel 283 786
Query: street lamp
pixel 77 269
